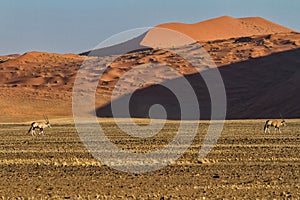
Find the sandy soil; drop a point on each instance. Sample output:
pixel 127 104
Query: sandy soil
pixel 244 164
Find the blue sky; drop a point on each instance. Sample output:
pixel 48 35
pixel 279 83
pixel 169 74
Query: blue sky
pixel 73 26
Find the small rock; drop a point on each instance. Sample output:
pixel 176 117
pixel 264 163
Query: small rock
pixel 216 176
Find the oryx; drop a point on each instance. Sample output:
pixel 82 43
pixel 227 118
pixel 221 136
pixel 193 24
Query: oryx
pixel 275 123
pixel 39 125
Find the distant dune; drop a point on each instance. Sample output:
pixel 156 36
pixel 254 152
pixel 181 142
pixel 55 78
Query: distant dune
pixel 8 57
pixel 178 34
pixel 258 61
pixel 226 27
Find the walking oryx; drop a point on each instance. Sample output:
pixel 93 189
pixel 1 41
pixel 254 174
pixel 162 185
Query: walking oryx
pixel 275 123
pixel 39 125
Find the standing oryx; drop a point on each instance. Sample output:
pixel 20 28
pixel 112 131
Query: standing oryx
pixel 39 125
pixel 275 123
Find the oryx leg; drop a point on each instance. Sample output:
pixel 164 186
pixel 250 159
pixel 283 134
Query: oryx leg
pixel 267 129
pixel 33 132
pixel 41 131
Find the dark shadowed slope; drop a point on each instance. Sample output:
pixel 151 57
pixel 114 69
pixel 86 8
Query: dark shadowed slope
pixel 257 88
pixel 122 48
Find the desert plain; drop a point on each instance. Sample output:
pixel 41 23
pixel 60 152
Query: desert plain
pixel 244 164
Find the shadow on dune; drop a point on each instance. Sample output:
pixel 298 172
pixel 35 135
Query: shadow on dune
pixel 119 49
pixel 257 88
pixel 141 101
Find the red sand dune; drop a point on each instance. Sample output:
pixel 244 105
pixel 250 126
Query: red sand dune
pixel 227 27
pixel 171 35
pixel 251 53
